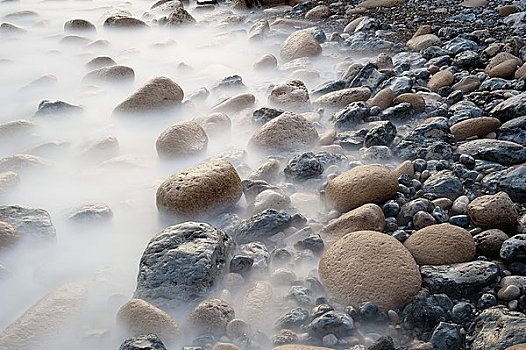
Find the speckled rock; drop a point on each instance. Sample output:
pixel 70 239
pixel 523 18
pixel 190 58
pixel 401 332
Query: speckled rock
pixel 368 217
pixel 497 328
pixel 503 152
pixel 488 242
pixel 342 98
pixel 181 139
pixel 299 44
pixel 493 211
pixel 361 185
pixel 474 127
pixel 200 190
pixel 291 95
pixel 211 316
pixel 380 270
pixel 143 342
pixel 112 74
pixel 79 26
pixel 441 244
pixel 254 301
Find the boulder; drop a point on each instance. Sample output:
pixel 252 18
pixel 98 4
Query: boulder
pixel 493 211
pixel 211 316
pixel 368 217
pixel 181 139
pixel 299 44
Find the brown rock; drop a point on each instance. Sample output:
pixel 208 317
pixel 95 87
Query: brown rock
pixel 318 12
pixel 236 103
pixel 361 185
pixel 507 10
pixel 139 317
pixel 501 58
pixel 8 234
pixel 211 316
pixel 351 27
pixel 158 94
pixel 79 26
pixel 370 266
pixel 493 211
pixel 405 168
pixel 505 69
pixel 488 242
pixel 517 347
pixel 467 84
pixel 440 79
pixel 474 3
pixel 291 95
pixel 423 42
pixel 369 4
pixel 300 44
pixel 124 21
pixel 416 101
pixel 100 62
pixel 474 127
pixel 200 190
pixel 368 217
pixel 423 30
pixel 181 139
pixel 384 61
pixel 521 72
pixel 215 123
pixel 441 244
pixel 224 346
pixel 299 347
pixel 383 99
pixel 341 98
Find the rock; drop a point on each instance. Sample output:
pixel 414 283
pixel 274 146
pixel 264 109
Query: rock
pixel 333 322
pixel 139 317
pixel 369 77
pixel 498 60
pixel 160 93
pixel 100 62
pixel 350 116
pixel 181 264
pixel 178 17
pixel 467 84
pixel 498 328
pixel 383 99
pixel 112 74
pixel 474 127
pixel 38 326
pixel 447 337
pixel 181 139
pixel 258 252
pixel 56 108
pixel 79 26
pixel 416 101
pixel 511 180
pixel 381 134
pixel 34 223
pixel 293 319
pixel 299 44
pixel 291 95
pixel 254 301
pixel 143 342
pixel 124 21
pixel 299 347
pixel 514 248
pixel 200 190
pixel 259 30
pixel 266 224
pixel 443 184
pixel 380 270
pixel 440 245
pixel 342 98
pixel 488 242
pixel 459 280
pixel 426 310
pixel 224 346
pixel 514 131
pixel 368 217
pixel 211 316
pixel 235 103
pixel 8 180
pixel 511 108
pixel 505 69
pixel 509 293
pixel 422 42
pixel 8 30
pixel 370 4
pixel 361 185
pixel 266 61
pixel 269 199
pixel 503 152
pixel 286 132
pixel 8 235
pixel 215 123
pixel 493 211
pixel 520 72
pixel 20 163
pixel 318 12
pixel 441 79
pixel 303 167
pixel 91 214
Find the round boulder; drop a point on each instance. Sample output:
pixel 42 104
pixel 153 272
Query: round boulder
pixel 181 139
pixel 440 245
pixel 370 266
pixel 211 316
pixel 299 44
pixel 493 211
pixel 200 190
pixel 361 185
pixel 368 217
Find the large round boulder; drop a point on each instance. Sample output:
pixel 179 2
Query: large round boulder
pixel 370 266
pixel 301 43
pixel 361 185
pixel 441 244
pixel 200 190
pixel 181 139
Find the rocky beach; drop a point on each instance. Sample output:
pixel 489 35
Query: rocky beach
pixel 260 174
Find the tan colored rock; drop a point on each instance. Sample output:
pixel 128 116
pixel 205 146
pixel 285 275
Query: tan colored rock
pixel 19 163
pixel 488 242
pixel 474 127
pixel 291 95
pixel 270 199
pixel 266 171
pixel 328 137
pixel 368 217
pixel 236 103
pixel 254 305
pixel 517 347
pixel 383 99
pixel 111 74
pixel 507 10
pixel 505 69
pixel 369 4
pixel 351 27
pixel 467 84
pixel 286 132
pixel 299 347
pixel 158 94
pixel 341 98
pixel 215 123
pixel 440 245
pixel 416 101
pixel 423 30
pixel 520 72
pixel 423 42
pixel 370 266
pixel 474 3
pixel 180 140
pixel 440 79
pixel 318 12
pixel 200 190
pixel 8 234
pixel 211 316
pixel 139 317
pixel 493 211
pixel 267 61
pixel 300 44
pixel 384 61
pixel 259 30
pixel 405 168
pixel 361 185
pixel 500 58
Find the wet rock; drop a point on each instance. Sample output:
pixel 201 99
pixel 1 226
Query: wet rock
pixel 79 25
pixel 333 322
pixel 180 140
pixel 510 108
pixel 443 184
pixel 112 74
pixel 350 116
pixel 426 310
pixel 160 93
pixel 139 317
pixel 293 319
pixel 8 234
pixel 368 76
pixel 361 185
pixel 303 167
pixel 441 244
pixel 409 210
pixel 514 131
pixel 143 342
pixel 266 224
pixel 55 108
pixel 498 328
pixel 211 316
pixel 459 280
pixel 380 270
pixel 467 84
pixel 382 134
pixel 299 44
pixel 342 98
pixel 502 65
pixel 182 263
pixel 35 223
pixel 488 242
pixel 416 101
pixel 368 217
pixel 493 211
pixel 91 214
pixel 511 180
pixel 514 248
pixel 291 95
pixel 200 190
pixel 447 337
pixel 474 127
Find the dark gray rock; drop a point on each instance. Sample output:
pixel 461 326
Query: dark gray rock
pixel 48 108
pixel 91 213
pixel 368 76
pixel 468 59
pixel 333 322
pixel 350 116
pixel 241 264
pixel 443 184
pixel 265 114
pixel 313 242
pixel 435 51
pixel 446 337
pixel 329 86
pixel 460 44
pixel 497 328
pixel 28 222
pixel 300 295
pixel 462 312
pixel 493 84
pixel 182 263
pixel 409 209
pixel 266 224
pixel 428 141
pixel 233 82
pixel 425 311
pixel 259 254
pixel 383 343
pixel 459 280
pixel 514 131
pixel 399 85
pixel 511 108
pixel 381 134
pixel 399 112
pixel 514 248
pixel 463 110
pixel 326 159
pixel 502 152
pixel 143 342
pixel 293 319
pixel 511 180
pixel 304 166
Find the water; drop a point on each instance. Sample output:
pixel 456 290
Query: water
pixel 106 257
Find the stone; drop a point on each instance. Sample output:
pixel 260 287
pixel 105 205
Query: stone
pixel 143 342
pixel 100 62
pixel 488 242
pixel 426 310
pixel 440 245
pixel 291 95
pixel 422 42
pixel 49 316
pixel 158 94
pixel 441 79
pixel 467 84
pixel 79 26
pixel 138 317
pixel 8 180
pixel 299 347
pixel 124 21
pixel 446 337
pixel 370 4
pixel 443 184
pixel 509 293
pixel 503 152
pixel 505 69
pixel 266 61
pixel 459 280
pixel 235 103
pixel 178 17
pixel 253 304
pixel 293 319
pixel 361 185
pixel 368 217
pixel 511 180
pixel 303 167
pixel 379 270
pixel 474 127
pixel 181 264
pixel 520 72
pixel 90 214
pixel 269 199
pixel 259 30
pixel 383 99
pixel 507 10
pixel 350 116
pixel 318 12
pixel 181 140
pixel 514 249
pixel 215 123
pixel 498 328
pixel 382 133
pixel 499 59
pixel 369 77
pixel 333 322
pixel 200 190
pixel 493 211
pixel 286 132
pixel 510 108
pixel 299 44
pixel 416 101
pixel 8 235
pixel 28 222
pixel 111 74
pixel 263 225
pixel 49 108
pixel 342 98
pixel 211 316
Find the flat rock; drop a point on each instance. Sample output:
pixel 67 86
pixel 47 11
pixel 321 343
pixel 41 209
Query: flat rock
pixel 511 108
pixel 498 328
pixel 503 152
